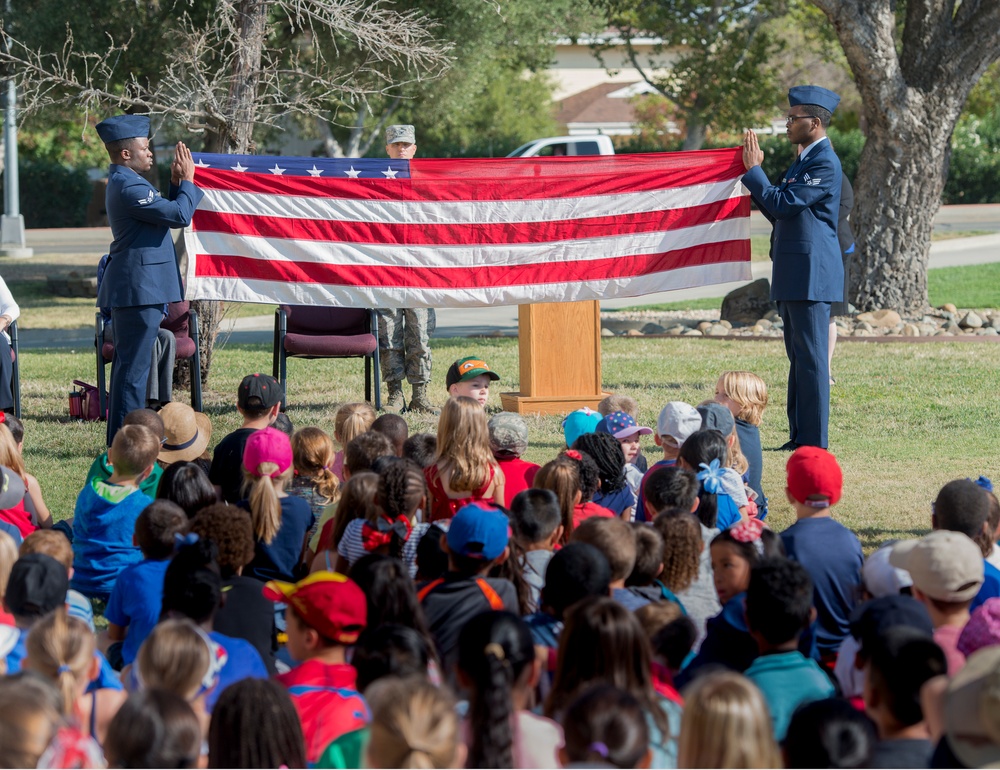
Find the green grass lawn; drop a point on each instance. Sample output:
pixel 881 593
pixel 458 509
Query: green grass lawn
pixel 905 419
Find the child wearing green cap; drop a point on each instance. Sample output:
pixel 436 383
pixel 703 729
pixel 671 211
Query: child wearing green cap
pixel 470 377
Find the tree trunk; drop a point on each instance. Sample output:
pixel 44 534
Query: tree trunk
pixel 897 193
pixel 233 136
pixel 694 139
pixel 913 87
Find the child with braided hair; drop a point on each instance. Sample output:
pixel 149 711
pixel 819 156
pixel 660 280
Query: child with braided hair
pixel 497 664
pixel 392 527
pixel 314 480
pixel 574 478
pixel 607 453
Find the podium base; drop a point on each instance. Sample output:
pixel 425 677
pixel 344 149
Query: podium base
pixel 515 402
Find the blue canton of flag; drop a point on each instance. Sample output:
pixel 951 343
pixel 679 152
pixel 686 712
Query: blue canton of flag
pixel 324 168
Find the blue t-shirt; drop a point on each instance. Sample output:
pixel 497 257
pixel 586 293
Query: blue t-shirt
pixel 788 680
pixel 16 656
pixel 990 587
pixel 242 662
pixel 749 436
pixel 545 629
pixel 832 556
pixel 136 601
pixel 618 501
pixel 103 525
pixel 14 532
pixel 279 560
pixel 728 513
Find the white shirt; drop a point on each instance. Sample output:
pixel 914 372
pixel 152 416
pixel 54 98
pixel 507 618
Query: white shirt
pixel 8 306
pixel 805 152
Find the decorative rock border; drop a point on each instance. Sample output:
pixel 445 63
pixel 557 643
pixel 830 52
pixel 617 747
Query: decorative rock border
pixel 945 323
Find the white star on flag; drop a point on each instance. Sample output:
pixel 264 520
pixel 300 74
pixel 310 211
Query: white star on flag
pixel 390 173
pixel 352 173
pixel 202 164
pixel 314 171
pixel 239 167
pixel 276 170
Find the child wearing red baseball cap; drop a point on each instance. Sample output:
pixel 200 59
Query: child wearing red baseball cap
pixel 829 551
pixel 326 613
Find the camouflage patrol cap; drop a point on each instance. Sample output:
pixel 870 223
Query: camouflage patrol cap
pixel 508 434
pixel 395 134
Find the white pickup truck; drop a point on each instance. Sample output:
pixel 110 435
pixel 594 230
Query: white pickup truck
pixel 589 144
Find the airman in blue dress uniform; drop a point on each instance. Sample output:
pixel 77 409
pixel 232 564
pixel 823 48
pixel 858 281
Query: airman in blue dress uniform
pixel 808 273
pixel 142 274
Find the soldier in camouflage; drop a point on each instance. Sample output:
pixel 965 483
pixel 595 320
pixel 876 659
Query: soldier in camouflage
pixel 404 333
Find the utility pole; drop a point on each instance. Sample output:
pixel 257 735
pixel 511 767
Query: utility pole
pixel 12 224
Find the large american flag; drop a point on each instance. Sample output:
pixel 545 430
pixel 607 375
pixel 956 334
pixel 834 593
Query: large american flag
pixel 464 233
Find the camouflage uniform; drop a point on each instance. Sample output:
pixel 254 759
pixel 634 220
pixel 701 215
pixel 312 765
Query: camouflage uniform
pixel 404 334
pixel 404 344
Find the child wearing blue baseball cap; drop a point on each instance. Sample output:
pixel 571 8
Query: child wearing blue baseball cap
pixel 476 541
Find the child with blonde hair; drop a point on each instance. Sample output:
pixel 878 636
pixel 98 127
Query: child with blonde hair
pixel 180 658
pixel 31 512
pixel 414 725
pixel 314 481
pixel 464 469
pixel 726 724
pixel 281 523
pixel 350 422
pixel 745 395
pixel 62 649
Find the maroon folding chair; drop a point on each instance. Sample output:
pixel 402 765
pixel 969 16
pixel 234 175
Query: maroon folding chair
pixel 306 331
pixel 183 322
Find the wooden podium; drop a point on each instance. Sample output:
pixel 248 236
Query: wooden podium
pixel 560 358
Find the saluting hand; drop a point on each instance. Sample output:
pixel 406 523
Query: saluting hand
pixel 752 154
pixel 182 167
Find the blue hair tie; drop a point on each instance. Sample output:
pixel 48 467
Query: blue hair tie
pixel 182 541
pixel 63 669
pixel 984 482
pixel 711 477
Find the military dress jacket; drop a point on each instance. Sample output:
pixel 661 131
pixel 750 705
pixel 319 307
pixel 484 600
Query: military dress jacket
pixel 143 269
pixel 804 210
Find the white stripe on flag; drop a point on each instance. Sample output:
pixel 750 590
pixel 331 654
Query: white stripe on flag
pixel 433 257
pixel 320 294
pixel 467 212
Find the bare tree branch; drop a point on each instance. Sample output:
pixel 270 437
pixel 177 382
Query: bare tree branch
pixel 389 50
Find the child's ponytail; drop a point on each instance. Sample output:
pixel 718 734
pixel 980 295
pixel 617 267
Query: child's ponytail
pixel 402 489
pixel 61 648
pixel 313 454
pixel 265 505
pixel 495 649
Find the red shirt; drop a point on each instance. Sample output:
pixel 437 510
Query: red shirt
pixel 20 518
pixel 584 511
pixel 518 475
pixel 328 703
pixel 444 507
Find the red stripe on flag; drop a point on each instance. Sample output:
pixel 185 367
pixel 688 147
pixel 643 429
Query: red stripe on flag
pixel 247 268
pixel 500 179
pixel 470 234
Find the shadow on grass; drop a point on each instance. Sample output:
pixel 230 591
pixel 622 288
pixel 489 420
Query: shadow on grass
pixel 872 537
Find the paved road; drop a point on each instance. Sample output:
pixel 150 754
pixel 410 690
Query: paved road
pixel 503 320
